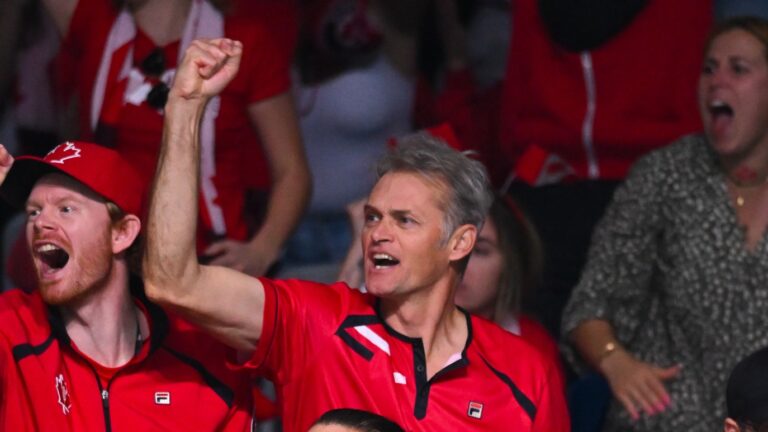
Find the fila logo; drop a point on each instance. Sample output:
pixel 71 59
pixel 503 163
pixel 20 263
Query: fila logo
pixel 63 392
pixel 475 410
pixel 163 398
pixel 60 151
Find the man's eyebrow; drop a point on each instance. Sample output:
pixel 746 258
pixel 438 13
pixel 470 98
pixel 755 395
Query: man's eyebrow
pixel 396 212
pixel 56 200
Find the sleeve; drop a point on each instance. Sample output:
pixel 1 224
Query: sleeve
pixel 89 17
pixel 299 318
pixel 535 334
pixel 273 34
pixel 70 52
pixel 14 408
pixel 552 410
pixel 615 284
pixel 5 362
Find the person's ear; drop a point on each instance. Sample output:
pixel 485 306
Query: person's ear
pixel 462 241
pixel 731 425
pixel 124 233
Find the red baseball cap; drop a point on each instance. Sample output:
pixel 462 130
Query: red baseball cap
pixel 101 169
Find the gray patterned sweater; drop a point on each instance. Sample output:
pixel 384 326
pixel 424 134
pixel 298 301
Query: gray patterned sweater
pixel 669 269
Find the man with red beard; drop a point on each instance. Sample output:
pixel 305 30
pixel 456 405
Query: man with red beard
pixel 86 351
pixel 403 350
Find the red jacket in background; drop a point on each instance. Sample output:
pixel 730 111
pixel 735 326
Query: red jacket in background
pixel 595 112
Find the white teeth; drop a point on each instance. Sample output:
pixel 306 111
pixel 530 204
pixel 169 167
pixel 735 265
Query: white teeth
pixel 47 248
pixel 717 103
pixel 383 256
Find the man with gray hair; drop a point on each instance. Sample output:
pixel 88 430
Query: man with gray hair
pixel 402 350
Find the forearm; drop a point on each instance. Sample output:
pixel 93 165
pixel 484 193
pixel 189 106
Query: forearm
pixel 288 199
pixel 170 254
pixel 277 125
pixel 592 338
pixel 226 303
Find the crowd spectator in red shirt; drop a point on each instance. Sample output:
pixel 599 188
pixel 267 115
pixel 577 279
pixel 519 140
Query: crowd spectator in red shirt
pixel 404 350
pixel 505 266
pixel 86 350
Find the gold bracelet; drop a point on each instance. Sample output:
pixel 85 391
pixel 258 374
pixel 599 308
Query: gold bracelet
pixel 609 348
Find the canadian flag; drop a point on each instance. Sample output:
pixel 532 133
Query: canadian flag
pixel 63 152
pixel 539 167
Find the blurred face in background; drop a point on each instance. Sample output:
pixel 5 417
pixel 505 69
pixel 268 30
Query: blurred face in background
pixel 733 96
pixel 479 288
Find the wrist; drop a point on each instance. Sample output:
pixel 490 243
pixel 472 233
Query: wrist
pixel 265 250
pixel 609 349
pixel 180 104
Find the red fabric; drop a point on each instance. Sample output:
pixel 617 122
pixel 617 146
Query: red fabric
pixel 115 179
pixel 471 113
pixel 445 132
pixel 38 364
pixel 645 85
pixel 313 346
pixel 264 73
pixel 283 30
pixel 264 408
pixel 538 336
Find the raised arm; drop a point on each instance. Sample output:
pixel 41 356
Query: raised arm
pixel 224 302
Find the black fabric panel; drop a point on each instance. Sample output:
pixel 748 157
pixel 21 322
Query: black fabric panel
pixel 354 344
pixel 582 25
pixel 520 397
pixel 221 389
pixel 26 350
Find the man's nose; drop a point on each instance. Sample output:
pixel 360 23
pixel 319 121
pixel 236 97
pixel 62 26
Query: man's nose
pixel 43 220
pixel 381 231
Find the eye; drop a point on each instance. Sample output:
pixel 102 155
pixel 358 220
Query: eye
pixel 406 220
pixel 482 251
pixel 370 217
pixel 739 69
pixel 31 213
pixel 66 209
pixel 708 69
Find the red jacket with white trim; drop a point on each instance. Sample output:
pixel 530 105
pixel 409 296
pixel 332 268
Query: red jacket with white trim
pixel 593 113
pixel 178 380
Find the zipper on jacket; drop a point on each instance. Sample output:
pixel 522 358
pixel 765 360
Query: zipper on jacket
pixel 104 397
pixel 588 125
pixel 105 407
